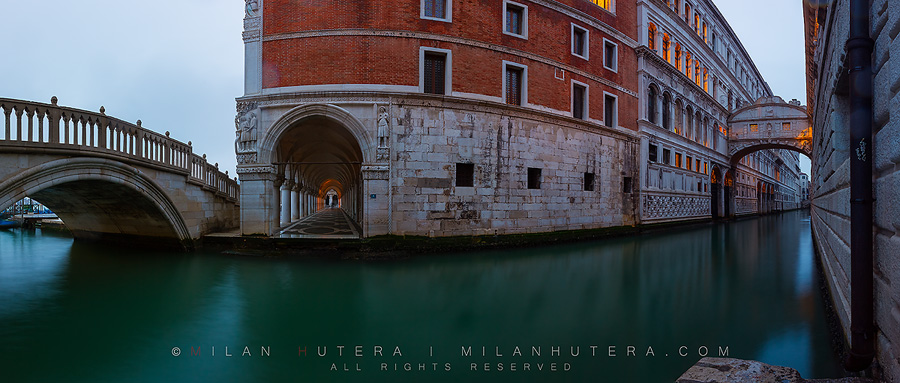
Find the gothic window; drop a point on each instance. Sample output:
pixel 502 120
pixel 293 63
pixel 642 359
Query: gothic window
pixel 651 104
pixel 667 111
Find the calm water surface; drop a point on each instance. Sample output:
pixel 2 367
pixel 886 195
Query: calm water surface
pixel 80 312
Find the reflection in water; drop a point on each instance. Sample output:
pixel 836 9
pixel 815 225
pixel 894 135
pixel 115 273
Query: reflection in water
pixel 101 314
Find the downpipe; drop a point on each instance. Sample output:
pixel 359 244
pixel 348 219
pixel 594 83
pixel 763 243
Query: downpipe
pixel 862 327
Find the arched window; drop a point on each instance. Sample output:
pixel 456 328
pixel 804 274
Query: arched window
pixel 665 47
pixel 667 111
pixel 651 36
pixel 697 71
pixel 705 80
pixel 687 13
pixel 688 64
pixel 678 56
pixel 651 103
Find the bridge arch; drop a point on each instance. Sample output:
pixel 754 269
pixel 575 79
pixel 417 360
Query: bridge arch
pixel 769 123
pixel 100 198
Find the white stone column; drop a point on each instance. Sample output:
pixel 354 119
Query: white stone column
pixel 295 204
pixel 285 204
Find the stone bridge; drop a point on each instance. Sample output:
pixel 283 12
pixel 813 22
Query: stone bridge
pixel 769 123
pixel 109 179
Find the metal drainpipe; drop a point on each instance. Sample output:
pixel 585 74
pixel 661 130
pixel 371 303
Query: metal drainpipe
pixel 859 52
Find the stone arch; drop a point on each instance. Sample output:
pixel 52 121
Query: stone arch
pixel 652 103
pixel 367 144
pixel 78 191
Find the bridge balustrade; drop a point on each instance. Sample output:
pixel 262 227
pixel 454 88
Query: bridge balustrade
pixel 35 126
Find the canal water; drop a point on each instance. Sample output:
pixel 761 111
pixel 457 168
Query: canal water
pixel 657 302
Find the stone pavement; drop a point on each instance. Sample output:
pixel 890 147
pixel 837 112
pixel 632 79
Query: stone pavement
pixel 727 370
pixel 330 223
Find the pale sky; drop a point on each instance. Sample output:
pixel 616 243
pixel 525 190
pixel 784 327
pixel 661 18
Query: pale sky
pixel 178 65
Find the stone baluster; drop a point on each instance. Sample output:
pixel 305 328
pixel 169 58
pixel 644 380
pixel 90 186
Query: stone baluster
pixel 19 111
pixel 30 113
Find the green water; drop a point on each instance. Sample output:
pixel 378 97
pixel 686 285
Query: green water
pixel 89 313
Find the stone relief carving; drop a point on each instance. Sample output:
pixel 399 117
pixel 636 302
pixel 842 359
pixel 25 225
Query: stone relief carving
pixel 246 123
pixel 383 119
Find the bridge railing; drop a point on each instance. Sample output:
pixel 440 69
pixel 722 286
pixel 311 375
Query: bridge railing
pixel 49 126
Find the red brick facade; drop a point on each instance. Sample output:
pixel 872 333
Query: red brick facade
pixel 378 42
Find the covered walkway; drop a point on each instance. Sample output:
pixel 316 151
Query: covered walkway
pixel 330 223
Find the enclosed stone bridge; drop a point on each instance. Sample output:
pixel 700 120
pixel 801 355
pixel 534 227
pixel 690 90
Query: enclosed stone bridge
pixel 109 179
pixel 769 123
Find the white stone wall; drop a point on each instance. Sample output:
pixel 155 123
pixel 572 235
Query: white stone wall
pixel 428 141
pixel 830 174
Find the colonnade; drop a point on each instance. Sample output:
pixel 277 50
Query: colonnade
pixel 297 201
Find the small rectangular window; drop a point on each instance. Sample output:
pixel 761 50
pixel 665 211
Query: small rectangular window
pixel 436 9
pixel 435 73
pixel 651 154
pixel 534 178
pixel 515 19
pixel 514 81
pixel 610 111
pixel 754 127
pixel 579 100
pixel 465 175
pixel 626 185
pixel 589 181
pixel 610 55
pixel 667 156
pixel 698 165
pixel 786 126
pixel 690 162
pixel 678 160
pixel 579 41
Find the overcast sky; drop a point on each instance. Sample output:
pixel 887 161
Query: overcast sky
pixel 178 65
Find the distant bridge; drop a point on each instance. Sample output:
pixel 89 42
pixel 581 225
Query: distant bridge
pixel 769 123
pixel 110 179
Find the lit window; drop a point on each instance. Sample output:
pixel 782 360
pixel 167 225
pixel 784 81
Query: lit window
pixel 677 160
pixel 688 163
pixel 754 127
pixel 705 38
pixel 665 47
pixel 705 80
pixel 688 62
pixel 697 23
pixel 651 36
pixel 678 56
pixel 579 42
pixel 515 19
pixel 610 55
pixel 436 9
pixel 786 126
pixel 605 4
pixel 687 13
pixel 579 100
